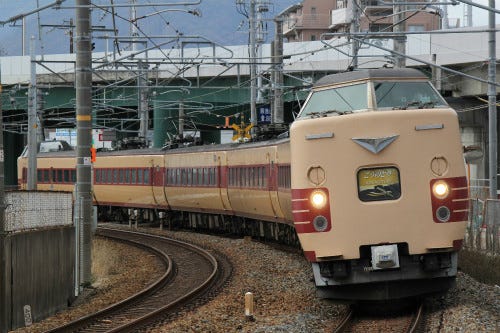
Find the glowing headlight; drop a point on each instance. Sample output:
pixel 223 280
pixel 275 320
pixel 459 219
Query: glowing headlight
pixel 440 189
pixel 318 199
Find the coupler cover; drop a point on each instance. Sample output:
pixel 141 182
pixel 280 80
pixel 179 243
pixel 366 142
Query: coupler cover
pixel 385 256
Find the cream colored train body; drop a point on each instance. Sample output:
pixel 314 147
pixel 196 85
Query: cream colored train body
pixel 242 188
pixel 379 190
pixel 370 156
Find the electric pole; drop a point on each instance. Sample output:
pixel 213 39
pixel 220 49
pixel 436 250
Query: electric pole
pixel 5 306
pixel 354 28
pixel 32 122
pixel 278 116
pixel 399 41
pixel 84 137
pixel 253 65
pixel 492 103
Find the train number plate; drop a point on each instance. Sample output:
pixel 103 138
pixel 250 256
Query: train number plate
pixel 376 184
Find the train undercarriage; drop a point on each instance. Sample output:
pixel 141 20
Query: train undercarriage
pixel 203 222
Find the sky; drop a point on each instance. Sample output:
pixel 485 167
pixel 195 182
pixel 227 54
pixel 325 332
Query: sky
pixel 222 31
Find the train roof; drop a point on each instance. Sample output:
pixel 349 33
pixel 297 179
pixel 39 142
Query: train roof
pixel 157 151
pixel 371 74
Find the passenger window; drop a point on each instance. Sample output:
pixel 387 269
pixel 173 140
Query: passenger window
pixel 140 176
pixel 212 176
pixel 206 177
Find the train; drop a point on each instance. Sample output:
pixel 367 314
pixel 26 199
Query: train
pixel 370 181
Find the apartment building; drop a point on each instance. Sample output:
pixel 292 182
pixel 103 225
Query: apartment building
pixel 306 21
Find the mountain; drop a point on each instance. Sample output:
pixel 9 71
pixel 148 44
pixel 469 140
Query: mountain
pixel 219 21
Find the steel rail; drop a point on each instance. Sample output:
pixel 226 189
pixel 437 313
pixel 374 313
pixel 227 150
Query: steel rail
pixel 155 288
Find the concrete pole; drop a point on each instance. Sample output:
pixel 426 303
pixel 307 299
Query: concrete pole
pixel 181 120
pixel 253 66
pixel 399 42
pixel 278 116
pixel 5 306
pixel 354 28
pixel 492 101
pixel 143 107
pixel 444 18
pixel 32 122
pixel 84 135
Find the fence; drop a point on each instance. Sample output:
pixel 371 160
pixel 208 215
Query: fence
pixel 39 247
pixel 483 229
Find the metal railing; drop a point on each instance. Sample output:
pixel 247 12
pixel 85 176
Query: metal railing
pixel 483 229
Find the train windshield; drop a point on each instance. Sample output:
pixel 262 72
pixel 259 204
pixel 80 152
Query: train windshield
pixel 336 100
pixel 406 95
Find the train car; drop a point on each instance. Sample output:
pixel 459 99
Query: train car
pixel 371 181
pixel 239 188
pixel 379 189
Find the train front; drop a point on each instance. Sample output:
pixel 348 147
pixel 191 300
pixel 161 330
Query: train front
pixel 379 192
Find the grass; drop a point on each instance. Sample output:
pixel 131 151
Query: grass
pixel 107 258
pixel 484 268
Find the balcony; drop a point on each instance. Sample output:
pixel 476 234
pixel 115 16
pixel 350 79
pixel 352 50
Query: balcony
pixel 378 7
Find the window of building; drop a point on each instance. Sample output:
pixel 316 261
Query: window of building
pixel 416 27
pixel 380 27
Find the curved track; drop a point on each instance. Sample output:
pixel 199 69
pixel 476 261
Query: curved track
pixel 191 272
pixel 407 322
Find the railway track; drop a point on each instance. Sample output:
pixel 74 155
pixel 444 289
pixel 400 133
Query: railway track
pixel 191 273
pixel 410 321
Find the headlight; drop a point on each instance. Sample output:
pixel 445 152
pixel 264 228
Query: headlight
pixel 318 199
pixel 443 214
pixel 440 189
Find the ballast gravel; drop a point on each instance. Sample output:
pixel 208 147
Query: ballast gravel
pixel 283 290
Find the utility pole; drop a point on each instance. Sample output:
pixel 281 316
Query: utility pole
pixel 71 47
pixel 253 66
pixel 492 102
pixel 354 28
pixel 261 7
pixel 142 78
pixel 84 137
pixel 143 107
pixel 32 122
pixel 399 42
pixel 278 116
pixel 5 306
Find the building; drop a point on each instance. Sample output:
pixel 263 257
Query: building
pixel 309 19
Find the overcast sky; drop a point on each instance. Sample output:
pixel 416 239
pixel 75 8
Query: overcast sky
pixel 220 31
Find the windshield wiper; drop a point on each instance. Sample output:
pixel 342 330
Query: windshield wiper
pixel 324 113
pixel 418 104
pixel 316 114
